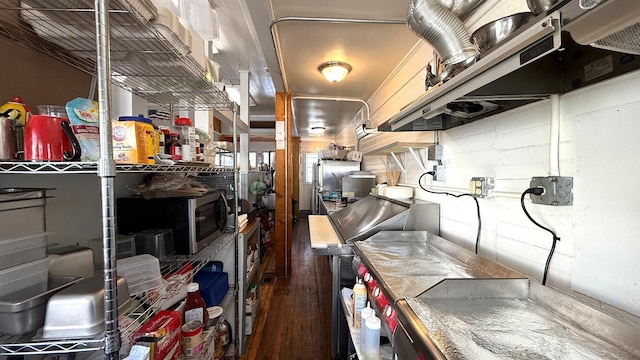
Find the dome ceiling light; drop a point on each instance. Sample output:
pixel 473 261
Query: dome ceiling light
pixel 317 130
pixel 334 71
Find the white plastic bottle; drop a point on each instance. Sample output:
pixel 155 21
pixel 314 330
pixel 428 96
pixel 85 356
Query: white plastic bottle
pixel 372 339
pixel 364 315
pixel 359 300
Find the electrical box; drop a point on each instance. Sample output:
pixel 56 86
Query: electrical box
pixel 481 187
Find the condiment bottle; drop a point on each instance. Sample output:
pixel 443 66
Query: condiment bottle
pixel 371 348
pixel 364 315
pixel 174 148
pixel 359 300
pixel 194 307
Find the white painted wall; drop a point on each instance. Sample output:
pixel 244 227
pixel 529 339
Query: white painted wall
pixel 598 252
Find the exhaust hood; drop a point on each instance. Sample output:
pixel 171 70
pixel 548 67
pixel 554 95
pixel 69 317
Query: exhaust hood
pixel 557 52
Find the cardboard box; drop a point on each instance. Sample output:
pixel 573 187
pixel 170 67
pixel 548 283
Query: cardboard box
pixel 133 142
pixel 162 334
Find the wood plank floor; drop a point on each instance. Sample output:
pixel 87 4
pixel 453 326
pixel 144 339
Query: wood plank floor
pixel 294 320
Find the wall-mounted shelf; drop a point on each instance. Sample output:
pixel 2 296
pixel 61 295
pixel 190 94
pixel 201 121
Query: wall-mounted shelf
pixel 398 147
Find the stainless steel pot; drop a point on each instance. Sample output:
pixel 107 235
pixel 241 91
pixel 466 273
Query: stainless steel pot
pixel 538 7
pixel 490 35
pixel 8 145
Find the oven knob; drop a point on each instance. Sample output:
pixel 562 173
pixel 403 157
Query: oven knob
pixel 367 276
pixel 390 318
pixel 379 297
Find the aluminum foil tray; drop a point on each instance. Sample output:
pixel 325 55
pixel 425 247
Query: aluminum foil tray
pixel 518 319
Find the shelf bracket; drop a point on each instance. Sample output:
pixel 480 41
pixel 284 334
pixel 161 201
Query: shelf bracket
pixel 418 160
pixel 404 171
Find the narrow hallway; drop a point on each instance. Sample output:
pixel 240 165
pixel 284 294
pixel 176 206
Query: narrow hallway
pixel 294 321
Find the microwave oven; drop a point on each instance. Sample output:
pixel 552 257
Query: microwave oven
pixel 195 221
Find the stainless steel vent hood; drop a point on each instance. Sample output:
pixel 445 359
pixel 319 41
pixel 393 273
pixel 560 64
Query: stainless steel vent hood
pixel 538 60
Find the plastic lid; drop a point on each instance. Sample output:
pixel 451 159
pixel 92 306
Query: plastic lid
pixel 373 323
pixel 135 118
pixel 183 121
pixel 16 99
pixel 192 287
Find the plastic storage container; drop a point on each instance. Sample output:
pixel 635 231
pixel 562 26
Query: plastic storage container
pixel 21 250
pixel 142 273
pixel 213 286
pixel 23 276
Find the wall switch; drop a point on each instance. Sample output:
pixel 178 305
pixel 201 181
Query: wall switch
pixel 558 190
pixel 438 173
pixel 481 187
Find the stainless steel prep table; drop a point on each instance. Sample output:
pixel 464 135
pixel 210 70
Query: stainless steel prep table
pixel 508 319
pixel 400 264
pixel 335 234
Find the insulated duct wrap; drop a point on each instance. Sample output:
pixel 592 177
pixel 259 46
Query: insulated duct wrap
pixel 434 22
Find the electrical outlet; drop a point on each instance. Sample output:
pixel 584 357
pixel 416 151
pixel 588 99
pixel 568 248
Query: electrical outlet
pixel 438 173
pixel 481 187
pixel 558 190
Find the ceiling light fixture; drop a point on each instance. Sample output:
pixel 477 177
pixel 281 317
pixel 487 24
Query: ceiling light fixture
pixel 334 71
pixel 317 130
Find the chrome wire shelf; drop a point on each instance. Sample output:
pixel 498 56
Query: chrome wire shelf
pixel 28 167
pixel 149 307
pixel 50 347
pixel 30 345
pixel 143 61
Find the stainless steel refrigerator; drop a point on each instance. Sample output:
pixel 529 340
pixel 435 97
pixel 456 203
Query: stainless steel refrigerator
pixel 327 181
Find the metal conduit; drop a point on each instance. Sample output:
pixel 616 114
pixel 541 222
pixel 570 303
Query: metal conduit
pixel 329 98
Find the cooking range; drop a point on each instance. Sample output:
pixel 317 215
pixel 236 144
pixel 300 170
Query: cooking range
pixel 437 300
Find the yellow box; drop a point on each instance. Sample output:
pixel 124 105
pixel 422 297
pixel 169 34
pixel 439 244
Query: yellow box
pixel 133 142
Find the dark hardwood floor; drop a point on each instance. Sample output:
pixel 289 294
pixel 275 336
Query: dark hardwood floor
pixel 294 320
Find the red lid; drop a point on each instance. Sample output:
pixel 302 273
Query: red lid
pixel 183 121
pixel 173 134
pixel 16 99
pixel 165 131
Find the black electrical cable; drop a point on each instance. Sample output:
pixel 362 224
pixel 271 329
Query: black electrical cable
pixel 539 191
pixel 457 196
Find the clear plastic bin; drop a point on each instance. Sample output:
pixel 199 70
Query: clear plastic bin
pixel 21 250
pixel 20 277
pixel 142 273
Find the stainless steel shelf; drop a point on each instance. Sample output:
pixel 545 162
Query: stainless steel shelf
pixel 143 61
pixel 25 167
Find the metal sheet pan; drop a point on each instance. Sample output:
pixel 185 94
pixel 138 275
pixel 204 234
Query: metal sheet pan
pixel 406 263
pixel 518 319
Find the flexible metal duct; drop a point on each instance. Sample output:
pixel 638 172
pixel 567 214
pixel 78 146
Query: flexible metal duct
pixel 434 22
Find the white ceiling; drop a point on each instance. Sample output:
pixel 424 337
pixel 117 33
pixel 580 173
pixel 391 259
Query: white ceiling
pixel 282 49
